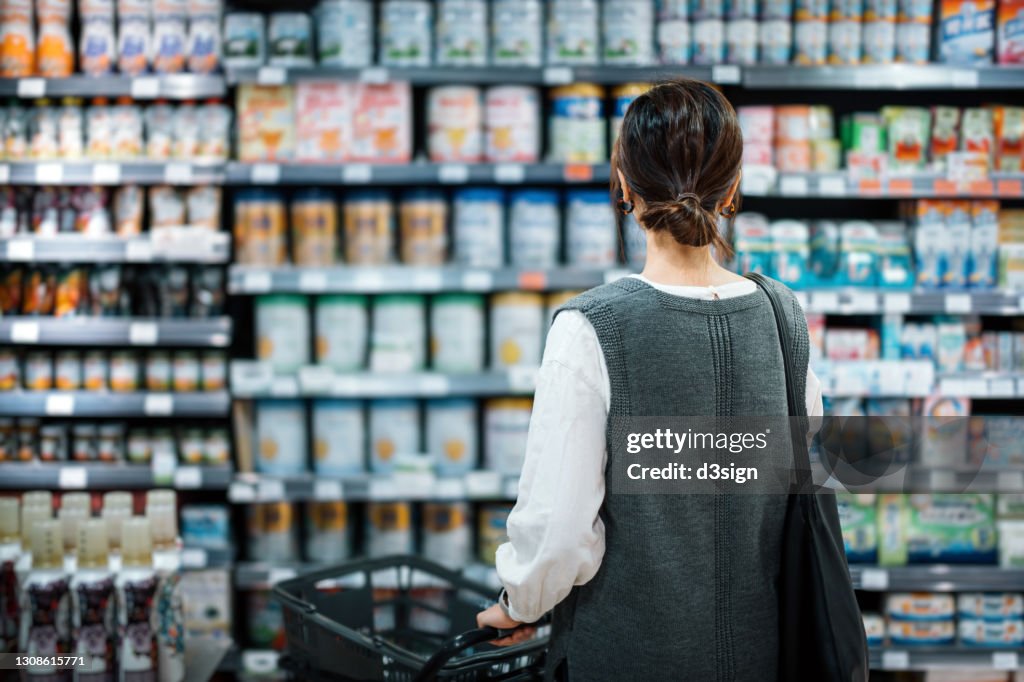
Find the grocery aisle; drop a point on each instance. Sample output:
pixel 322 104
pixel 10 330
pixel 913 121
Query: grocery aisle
pixel 297 269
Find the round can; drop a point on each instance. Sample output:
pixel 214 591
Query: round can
pixel 405 33
pixel 192 446
pixel 394 430
pixel 622 97
pixel 590 229
pixel 793 157
pixel 792 123
pixel 94 370
pixel 492 530
pixel 577 125
pixel 457 333
pixel 289 38
pixel 53 443
pixel 342 323
pixel 213 370
pixel 506 424
pixel 452 435
pixel 158 371
pixel 455 124
pixel 10 372
pixel 244 40
pixel 535 234
pixel 512 118
pixel 399 337
pixel 282 331
pixel 810 42
pixel 826 155
pixel 675 44
pixel 339 437
pixel 478 227
pixel 272 532
pixel 281 435
pixel 708 41
pixel 879 42
pixel 110 445
pixel 216 447
pixel 345 33
pixel 628 32
pixel 68 366
pixel 83 443
pixel 38 371
pixel 462 35
pixel 741 38
pixel 572 32
pixel 314 219
pixel 28 439
pixel 913 42
pixel 139 448
pixel 328 535
pixel 844 42
pixel 743 9
pixel 447 534
pixel 517 29
pixel 776 41
pixel 517 329
pixel 369 228
pixel 556 300
pixel 185 371
pixel 260 228
pixel 388 529
pixel 124 371
pixel 423 216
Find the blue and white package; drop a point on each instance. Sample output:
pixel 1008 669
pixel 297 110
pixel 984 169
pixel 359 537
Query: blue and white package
pixel 984 258
pixel 741 40
pixel 825 250
pixel 930 238
pixel 534 228
pixel 753 244
pixel 874 628
pixel 707 9
pixel 895 261
pixel 791 260
pixel 921 633
pixel 858 246
pixel 205 525
pixel 673 9
pixel 913 42
pixel 990 605
pixel 1005 633
pixel 742 9
pixel 923 607
pixel 590 234
pixel 811 9
pixel 875 10
pixel 478 227
pixel 777 9
pixel 916 11
pixel 775 41
pixel 966 31
pixel 958 245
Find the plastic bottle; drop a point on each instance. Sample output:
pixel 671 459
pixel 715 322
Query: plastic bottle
pixel 45 609
pixel 92 604
pixel 97 44
pixel 136 587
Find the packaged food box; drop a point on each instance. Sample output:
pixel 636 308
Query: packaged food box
pixel 1010 32
pixel 937 528
pixel 323 110
pixel 966 31
pixel 990 605
pixel 266 123
pixel 382 123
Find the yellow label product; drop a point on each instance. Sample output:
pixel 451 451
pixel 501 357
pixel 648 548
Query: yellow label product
pixel 282 331
pixel 447 534
pixel 266 123
pixel 10 373
pixel 389 528
pixel 517 329
pixel 314 229
pixel 452 435
pixel 281 437
pixel 259 228
pixel 455 124
pixel 492 530
pixel 339 437
pixel 512 121
pixel 272 532
pixel 216 448
pixel 423 216
pixel 328 536
pixel 185 371
pixel 369 228
pixel 577 125
pixel 68 365
pixel 38 371
pixel 94 371
pixel 191 446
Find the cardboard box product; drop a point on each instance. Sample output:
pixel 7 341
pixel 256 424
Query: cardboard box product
pixel 324 114
pixel 382 123
pixel 966 31
pixel 266 123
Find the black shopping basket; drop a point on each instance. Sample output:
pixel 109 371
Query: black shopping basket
pixel 392 619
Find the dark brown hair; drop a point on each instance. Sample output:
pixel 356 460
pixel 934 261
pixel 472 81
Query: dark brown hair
pixel 680 150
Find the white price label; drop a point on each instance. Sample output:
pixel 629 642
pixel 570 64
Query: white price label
pixel 31 88
pixel 976 388
pixel 188 478
pixel 942 481
pixel 138 250
pixel 375 75
pixel 1001 388
pixel 793 186
pixel 432 385
pixel 427 279
pixel 5 174
pixel 512 173
pixel 1005 660
pixel 954 388
pixel 558 75
pixel 874 579
pixel 896 303
pixel 825 301
pixel 25 332
pixel 477 280
pixel 453 173
pixel 895 660
pixel 259 662
pixel 145 88
pixel 383 488
pixel 23 250
pixel 964 78
pixel 284 387
pixel 863 302
pixel 369 281
pixel 1010 481
pixel 315 379
pixel 832 186
pixel 241 492
pixel 72 478
pixel 271 75
pixel 106 174
pixel 257 282
pixel 357 173
pixel 158 405
pixel 483 484
pixel 958 304
pixel 327 491
pixel 449 489
pixel 60 405
pixel 756 185
pixel 270 490
pixel 312 281
pixel 178 173
pixel 143 333
pixel 49 174
pixel 522 379
pixel 266 174
pixel 726 74
pixel 163 466
pixel 193 557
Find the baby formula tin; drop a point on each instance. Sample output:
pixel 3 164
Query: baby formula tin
pixel 406 35
pixel 811 42
pixel 535 235
pixel 775 41
pixel 68 370
pixel 452 435
pixel 590 229
pixel 506 424
pixel 741 40
pixel 517 32
pixel 577 127
pixel 314 228
pixel 879 42
pixel 844 42
pixel 423 215
pixel 399 337
pixel 512 119
pixel 282 331
pixel 328 535
pixel 572 32
pixel 478 227
pixel 344 33
pixel 675 45
pixel 272 533
pixel 339 437
pixel 708 41
pixel 290 39
pixel 245 40
pixel 462 32
pixel 492 530
pixel 369 228
pixel 627 32
pixel 394 430
pixel 457 333
pixel 517 329
pixel 447 534
pixel 913 43
pixel 388 529
pixel 455 123
pixel 281 437
pixel 342 323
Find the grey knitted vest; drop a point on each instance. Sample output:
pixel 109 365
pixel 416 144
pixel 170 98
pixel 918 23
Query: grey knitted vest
pixel 687 585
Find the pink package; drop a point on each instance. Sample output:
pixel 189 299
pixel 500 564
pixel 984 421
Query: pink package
pixel 757 123
pixel 757 154
pixel 1010 32
pixel 323 110
pixel 382 123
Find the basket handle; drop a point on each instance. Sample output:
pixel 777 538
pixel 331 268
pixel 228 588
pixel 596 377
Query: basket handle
pixel 455 645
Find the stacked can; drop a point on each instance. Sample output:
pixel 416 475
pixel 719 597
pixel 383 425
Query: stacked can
pixel 914 31
pixel 844 32
pixel 811 32
pixel 879 32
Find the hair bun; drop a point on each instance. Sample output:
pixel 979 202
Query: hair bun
pixel 683 197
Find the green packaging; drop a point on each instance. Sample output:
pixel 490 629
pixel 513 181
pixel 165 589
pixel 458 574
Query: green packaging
pixel 858 518
pixel 937 528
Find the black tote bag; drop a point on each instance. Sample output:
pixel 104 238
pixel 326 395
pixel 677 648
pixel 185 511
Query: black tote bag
pixel 821 633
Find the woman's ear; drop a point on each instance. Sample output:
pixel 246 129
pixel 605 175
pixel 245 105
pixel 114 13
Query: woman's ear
pixel 730 196
pixel 624 186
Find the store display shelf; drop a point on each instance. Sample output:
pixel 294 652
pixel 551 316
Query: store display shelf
pixel 982 384
pixel 202 558
pixel 942 658
pixel 212 404
pixel 940 578
pixel 884 77
pixel 110 173
pixel 915 478
pixel 866 301
pixel 185 244
pixel 401 486
pixel 109 476
pixel 172 86
pixel 244 279
pixel 257 380
pixel 116 331
pixel 761 181
pixel 253 665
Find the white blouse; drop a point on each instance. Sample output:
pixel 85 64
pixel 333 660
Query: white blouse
pixel 556 539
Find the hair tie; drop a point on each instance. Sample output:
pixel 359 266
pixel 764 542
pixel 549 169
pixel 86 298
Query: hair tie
pixel 683 196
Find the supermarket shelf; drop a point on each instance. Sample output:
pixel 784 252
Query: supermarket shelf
pixel 914 478
pixel 766 182
pixel 884 77
pixel 942 578
pixel 115 331
pixel 181 244
pixel 107 404
pixel 257 380
pixel 405 279
pixel 176 86
pixel 200 558
pixel 982 384
pixel 474 485
pixel 102 476
pixel 913 379
pixel 110 173
pixel 864 301
pixel 941 658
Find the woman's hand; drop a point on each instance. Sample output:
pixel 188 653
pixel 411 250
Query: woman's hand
pixel 494 617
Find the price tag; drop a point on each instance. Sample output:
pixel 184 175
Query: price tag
pixel 138 251
pixel 49 174
pixel 145 88
pixel 106 174
pixel 270 490
pixel 891 381
pixel 1001 388
pixel 158 405
pixel 449 489
pixel 964 78
pixel 483 484
pixel 21 250
pixel 1005 660
pixel 832 186
pixel 357 173
pixel 382 488
pixel 958 304
pixel 143 333
pixel 266 174
pixel 511 173
pixel 312 281
pixel 188 478
pixel 369 280
pixel 271 75
pixel 522 379
pixel 976 388
pixel 5 174
pixel 375 75
pixel 241 492
pixel 433 385
pixel 952 387
pixel 863 302
pixel 477 280
pixel 793 186
pixel 178 173
pixel 163 466
pixel 896 303
pixel 193 557
pixel 72 478
pixel 327 491
pixel 895 660
pixel 726 74
pixel 427 279
pixel 1010 481
pixel 532 280
pixel 511 490
pixel 557 75
pixel 825 301
pixel 284 387
pixel 60 405
pixel 257 282
pixel 259 662
pixel 942 481
pixel 31 88
pixel 876 579
pixel 25 332
pixel 453 173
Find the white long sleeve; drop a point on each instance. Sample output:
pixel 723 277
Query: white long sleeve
pixel 556 539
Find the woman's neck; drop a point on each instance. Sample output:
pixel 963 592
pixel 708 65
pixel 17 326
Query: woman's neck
pixel 675 265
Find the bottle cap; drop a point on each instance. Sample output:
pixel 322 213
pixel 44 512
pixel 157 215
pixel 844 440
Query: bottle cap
pixel 136 542
pixel 30 516
pixel 93 547
pixel 47 544
pixel 10 523
pixel 77 501
pixel 70 518
pixel 164 525
pixel 115 516
pixel 42 498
